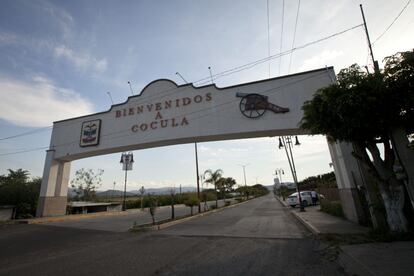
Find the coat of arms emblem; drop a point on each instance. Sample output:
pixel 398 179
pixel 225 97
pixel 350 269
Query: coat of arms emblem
pixel 90 133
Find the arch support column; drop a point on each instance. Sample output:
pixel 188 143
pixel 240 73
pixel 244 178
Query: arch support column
pixel 54 188
pixel 348 177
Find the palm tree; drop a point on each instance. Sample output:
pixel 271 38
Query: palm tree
pixel 213 178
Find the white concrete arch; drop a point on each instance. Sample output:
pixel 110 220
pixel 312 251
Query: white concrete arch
pixel 167 114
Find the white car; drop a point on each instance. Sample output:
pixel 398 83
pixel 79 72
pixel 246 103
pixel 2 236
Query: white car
pixel 293 199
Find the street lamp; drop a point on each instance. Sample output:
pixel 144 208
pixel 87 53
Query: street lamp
pixel 244 172
pixel 286 142
pixel 198 177
pixel 278 173
pixel 127 159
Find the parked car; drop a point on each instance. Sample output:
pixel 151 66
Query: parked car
pixel 293 199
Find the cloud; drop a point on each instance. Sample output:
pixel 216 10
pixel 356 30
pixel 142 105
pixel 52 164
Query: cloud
pixel 320 60
pixel 58 16
pixel 80 61
pixel 39 102
pixel 7 38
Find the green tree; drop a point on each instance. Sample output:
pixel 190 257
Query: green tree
pixel 225 185
pixel 141 194
pixel 173 199
pixel 191 202
pixel 367 110
pixel 229 183
pixel 152 206
pixel 86 182
pixel 244 191
pixel 212 178
pixel 17 189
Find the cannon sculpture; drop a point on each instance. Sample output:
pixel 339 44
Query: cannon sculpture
pixel 255 105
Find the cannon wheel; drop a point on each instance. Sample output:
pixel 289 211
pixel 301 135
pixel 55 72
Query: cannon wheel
pixel 253 105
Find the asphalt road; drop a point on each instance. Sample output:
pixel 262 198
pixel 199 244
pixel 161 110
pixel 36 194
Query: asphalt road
pixel 259 237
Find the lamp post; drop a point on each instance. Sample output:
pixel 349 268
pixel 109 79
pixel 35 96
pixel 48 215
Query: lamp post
pixel 244 172
pixel 198 177
pixel 278 173
pixel 286 142
pixel 127 159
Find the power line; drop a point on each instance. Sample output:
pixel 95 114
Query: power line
pixel 392 23
pixel 23 151
pixel 221 74
pixel 268 34
pixel 121 134
pixel 281 34
pixel 294 36
pixel 26 133
pixel 260 61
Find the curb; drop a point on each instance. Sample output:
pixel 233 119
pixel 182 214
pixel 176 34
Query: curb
pixel 78 216
pixel 305 223
pixel 281 201
pixel 70 217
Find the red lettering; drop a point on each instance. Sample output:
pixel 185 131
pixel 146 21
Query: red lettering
pixel 184 121
pixel 143 127
pixel 208 97
pixel 118 113
pixel 131 111
pixel 125 113
pixel 134 128
pixel 158 117
pixel 177 103
pixel 149 107
pixel 173 123
pixel 186 101
pixel 167 104
pixel 164 123
pixel 140 109
pixel 153 125
pixel 198 99
pixel 158 106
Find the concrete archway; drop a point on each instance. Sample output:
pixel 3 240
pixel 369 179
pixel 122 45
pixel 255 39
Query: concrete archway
pixel 168 114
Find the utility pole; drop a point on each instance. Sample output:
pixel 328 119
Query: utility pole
pixel 376 67
pixel 244 172
pixel 278 173
pixel 286 142
pixel 198 178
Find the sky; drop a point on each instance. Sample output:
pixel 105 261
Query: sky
pixel 59 59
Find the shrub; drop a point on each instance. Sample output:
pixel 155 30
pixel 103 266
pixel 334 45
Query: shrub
pixel 191 202
pixel 239 199
pixel 332 207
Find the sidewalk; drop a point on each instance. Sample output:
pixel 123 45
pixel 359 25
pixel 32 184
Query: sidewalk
pixel 395 258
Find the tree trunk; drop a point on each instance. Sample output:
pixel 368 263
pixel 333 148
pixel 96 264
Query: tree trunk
pixel 394 203
pixel 372 195
pixel 215 189
pixel 405 155
pixel 392 192
pixel 191 208
pixel 172 211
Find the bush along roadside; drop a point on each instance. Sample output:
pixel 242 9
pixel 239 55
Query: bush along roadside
pixel 332 207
